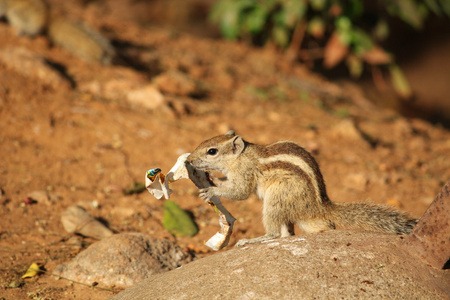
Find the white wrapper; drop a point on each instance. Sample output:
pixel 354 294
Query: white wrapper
pixel 159 187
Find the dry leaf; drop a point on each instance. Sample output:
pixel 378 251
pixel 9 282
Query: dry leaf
pixel 335 51
pixel 377 56
pixel 32 271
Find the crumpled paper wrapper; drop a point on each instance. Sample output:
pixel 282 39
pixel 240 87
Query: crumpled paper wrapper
pixel 158 185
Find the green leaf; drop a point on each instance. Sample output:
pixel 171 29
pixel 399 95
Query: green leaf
pixel 318 5
pixel 433 6
pixel 400 82
pixel 410 13
pixel 229 24
pixel 280 35
pixel 294 11
pixel 256 19
pixel 316 27
pixel 381 30
pixel 354 8
pixel 279 18
pixel 361 41
pixel 178 221
pixel 343 23
pixel 344 29
pixel 445 4
pixel 228 14
pixel 355 66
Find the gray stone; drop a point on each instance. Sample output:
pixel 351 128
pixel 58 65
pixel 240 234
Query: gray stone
pixel 123 260
pixel 336 264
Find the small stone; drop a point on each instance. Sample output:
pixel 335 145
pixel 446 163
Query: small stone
pixel 40 196
pixel 347 129
pixel 147 96
pixel 15 284
pixel 76 219
pixel 177 83
pixel 356 181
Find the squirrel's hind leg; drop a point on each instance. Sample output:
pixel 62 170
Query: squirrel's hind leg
pixel 275 228
pixel 315 225
pixel 286 230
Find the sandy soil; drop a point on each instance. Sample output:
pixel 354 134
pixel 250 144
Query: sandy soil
pixel 84 147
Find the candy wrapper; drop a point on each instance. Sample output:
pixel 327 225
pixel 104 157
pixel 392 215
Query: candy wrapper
pixel 158 185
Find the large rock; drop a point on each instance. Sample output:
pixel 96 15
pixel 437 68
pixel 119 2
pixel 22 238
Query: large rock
pixel 123 260
pixel 329 265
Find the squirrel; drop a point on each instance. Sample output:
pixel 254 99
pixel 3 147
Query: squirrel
pixel 288 180
pixel 32 17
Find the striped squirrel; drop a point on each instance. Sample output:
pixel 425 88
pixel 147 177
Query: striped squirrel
pixel 32 17
pixel 288 180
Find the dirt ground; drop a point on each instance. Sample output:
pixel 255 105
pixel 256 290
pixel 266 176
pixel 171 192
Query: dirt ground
pixel 84 147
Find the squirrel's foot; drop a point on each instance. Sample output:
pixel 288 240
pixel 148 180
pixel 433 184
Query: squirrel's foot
pixel 241 243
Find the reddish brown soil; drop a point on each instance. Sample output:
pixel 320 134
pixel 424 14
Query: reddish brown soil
pixel 84 149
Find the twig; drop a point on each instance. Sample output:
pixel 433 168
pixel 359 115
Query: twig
pixel 74 281
pixel 378 79
pixel 297 39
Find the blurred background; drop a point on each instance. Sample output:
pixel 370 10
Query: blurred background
pixel 398 51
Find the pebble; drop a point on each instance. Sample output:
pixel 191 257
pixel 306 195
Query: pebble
pixel 76 219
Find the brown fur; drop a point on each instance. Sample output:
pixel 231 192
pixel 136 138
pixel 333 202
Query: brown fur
pixel 288 179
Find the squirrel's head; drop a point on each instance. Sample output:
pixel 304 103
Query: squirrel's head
pixel 218 152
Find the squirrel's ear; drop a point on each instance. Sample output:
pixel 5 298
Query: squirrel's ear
pixel 231 132
pixel 238 145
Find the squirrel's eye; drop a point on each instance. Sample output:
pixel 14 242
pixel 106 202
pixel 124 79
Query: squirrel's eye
pixel 212 151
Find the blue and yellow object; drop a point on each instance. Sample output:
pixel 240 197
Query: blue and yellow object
pixel 151 174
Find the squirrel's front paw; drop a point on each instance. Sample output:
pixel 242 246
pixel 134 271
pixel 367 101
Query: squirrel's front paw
pixel 207 193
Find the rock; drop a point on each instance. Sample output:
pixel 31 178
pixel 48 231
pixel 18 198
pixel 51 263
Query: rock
pixel 147 96
pixel 42 196
pixel 333 264
pixel 347 129
pixel 178 83
pixel 430 238
pixel 32 65
pixel 76 219
pixel 127 87
pixel 123 260
pixel 356 181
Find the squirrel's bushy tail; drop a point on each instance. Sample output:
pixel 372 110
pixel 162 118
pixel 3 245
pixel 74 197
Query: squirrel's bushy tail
pixel 371 217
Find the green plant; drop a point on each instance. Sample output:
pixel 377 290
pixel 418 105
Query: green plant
pixel 335 31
